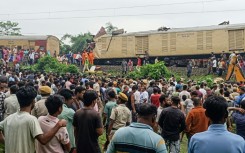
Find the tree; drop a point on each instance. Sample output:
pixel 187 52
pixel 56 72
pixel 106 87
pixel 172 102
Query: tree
pixel 9 28
pixel 78 42
pixel 109 27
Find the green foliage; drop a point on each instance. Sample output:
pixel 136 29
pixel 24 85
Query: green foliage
pixel 50 64
pixel 109 27
pixel 154 71
pixel 78 42
pixel 9 28
pixel 209 79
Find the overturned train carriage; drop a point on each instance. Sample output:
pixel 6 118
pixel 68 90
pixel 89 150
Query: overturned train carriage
pixel 176 45
pixel 41 43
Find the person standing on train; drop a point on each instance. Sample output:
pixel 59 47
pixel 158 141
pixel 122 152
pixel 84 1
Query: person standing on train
pixel 91 57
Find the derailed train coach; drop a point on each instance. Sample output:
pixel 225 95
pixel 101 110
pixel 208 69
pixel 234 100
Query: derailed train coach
pixel 174 46
pixel 33 42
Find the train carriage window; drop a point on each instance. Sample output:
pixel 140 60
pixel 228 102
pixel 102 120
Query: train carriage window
pixel 236 40
pixel 173 42
pixel 209 40
pixel 200 40
pixel 165 42
pixel 103 45
pixel 124 45
pixel 142 44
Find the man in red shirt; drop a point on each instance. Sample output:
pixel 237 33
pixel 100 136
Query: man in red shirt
pixel 155 97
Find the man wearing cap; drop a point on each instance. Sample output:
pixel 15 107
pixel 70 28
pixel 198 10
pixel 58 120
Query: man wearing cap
pixel 40 108
pixel 139 137
pixel 241 97
pixel 120 115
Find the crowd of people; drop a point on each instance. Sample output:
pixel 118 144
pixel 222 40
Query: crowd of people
pixel 27 56
pixel 47 112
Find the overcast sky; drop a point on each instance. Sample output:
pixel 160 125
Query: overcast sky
pixel 76 16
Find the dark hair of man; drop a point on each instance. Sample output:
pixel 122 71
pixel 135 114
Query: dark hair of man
pixel 66 93
pixel 48 84
pixel 72 87
pixel 194 93
pixel 112 94
pixel 135 87
pixel 79 89
pixel 91 84
pixel 184 87
pixel 21 84
pixel 11 83
pixel 175 100
pixel 152 83
pixel 155 90
pixel 89 96
pixel 172 84
pixel 146 109
pixel 227 94
pixel 202 85
pixel 162 98
pixel 216 108
pixel 243 104
pixel 14 89
pixel 197 87
pixel 53 103
pixel 26 96
pixel 184 97
pixel 30 84
pixel 110 84
pixel 196 101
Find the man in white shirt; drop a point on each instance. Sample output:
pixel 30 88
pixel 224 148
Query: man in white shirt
pixel 214 67
pixel 184 92
pixel 21 129
pixel 144 95
pixel 202 90
pixel 32 57
pixel 137 95
pixel 78 58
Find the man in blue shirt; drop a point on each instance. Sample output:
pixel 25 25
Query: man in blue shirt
pixel 216 139
pixel 239 119
pixel 139 137
pixel 239 98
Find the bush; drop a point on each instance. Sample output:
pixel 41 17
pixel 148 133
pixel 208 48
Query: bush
pixel 50 64
pixel 154 71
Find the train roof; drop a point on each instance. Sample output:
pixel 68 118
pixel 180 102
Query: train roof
pixel 188 29
pixel 32 37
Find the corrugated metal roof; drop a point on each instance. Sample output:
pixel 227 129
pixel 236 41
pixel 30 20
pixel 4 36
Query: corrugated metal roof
pixel 189 29
pixel 32 37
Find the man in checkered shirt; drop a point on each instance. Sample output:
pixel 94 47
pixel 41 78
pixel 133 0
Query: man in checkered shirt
pixel 3 84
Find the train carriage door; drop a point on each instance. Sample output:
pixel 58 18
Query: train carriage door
pixel 142 44
pixel 236 40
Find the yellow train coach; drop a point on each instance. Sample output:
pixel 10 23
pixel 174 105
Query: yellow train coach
pixel 42 43
pixel 176 43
